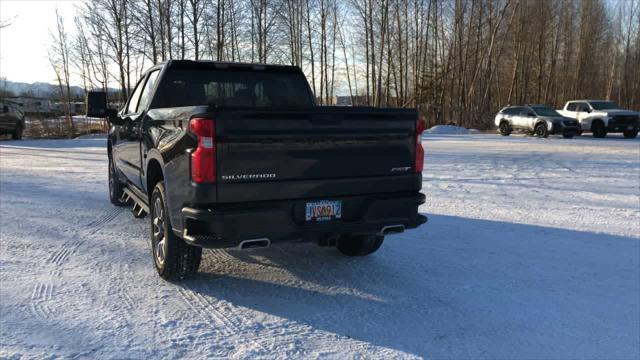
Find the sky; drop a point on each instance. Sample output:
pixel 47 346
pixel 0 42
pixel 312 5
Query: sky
pixel 24 43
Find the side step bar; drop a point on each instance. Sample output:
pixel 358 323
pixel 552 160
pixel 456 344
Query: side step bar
pixel 140 207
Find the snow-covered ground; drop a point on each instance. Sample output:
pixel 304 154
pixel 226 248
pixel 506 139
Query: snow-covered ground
pixel 532 251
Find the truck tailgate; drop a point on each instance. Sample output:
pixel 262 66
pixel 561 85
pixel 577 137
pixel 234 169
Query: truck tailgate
pixel 281 149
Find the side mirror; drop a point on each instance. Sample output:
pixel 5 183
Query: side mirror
pixel 97 104
pixel 97 107
pixel 588 110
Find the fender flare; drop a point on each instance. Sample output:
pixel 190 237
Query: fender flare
pixel 504 120
pixel 548 123
pixel 152 154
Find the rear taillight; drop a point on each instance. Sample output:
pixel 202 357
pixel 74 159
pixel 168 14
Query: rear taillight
pixel 203 159
pixel 420 125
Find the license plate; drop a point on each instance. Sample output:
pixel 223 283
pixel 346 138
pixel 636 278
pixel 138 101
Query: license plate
pixel 324 210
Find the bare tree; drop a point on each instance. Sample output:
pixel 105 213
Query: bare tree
pixel 59 58
pixel 458 60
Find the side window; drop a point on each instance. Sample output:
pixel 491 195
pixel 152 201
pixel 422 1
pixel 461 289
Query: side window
pixel 135 98
pixel 572 106
pixel 582 107
pixel 524 111
pixel 145 98
pixel 512 111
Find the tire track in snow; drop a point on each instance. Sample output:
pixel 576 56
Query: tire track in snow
pixel 127 300
pixel 205 309
pixel 280 333
pixel 98 223
pixel 221 254
pixel 42 293
pixel 58 257
pixel 208 310
pixel 40 297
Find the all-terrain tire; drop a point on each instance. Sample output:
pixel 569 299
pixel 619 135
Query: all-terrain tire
pixel 359 245
pixel 505 128
pixel 541 130
pixel 630 134
pixel 17 132
pixel 598 129
pixel 173 258
pixel 115 186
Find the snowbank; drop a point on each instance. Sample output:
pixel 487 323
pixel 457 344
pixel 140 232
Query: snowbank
pixel 447 129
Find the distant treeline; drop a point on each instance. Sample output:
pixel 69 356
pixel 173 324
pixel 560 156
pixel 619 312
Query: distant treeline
pixel 458 60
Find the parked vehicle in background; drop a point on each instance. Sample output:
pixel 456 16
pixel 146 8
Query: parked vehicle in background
pixel 540 120
pixel 238 155
pixel 11 119
pixel 602 117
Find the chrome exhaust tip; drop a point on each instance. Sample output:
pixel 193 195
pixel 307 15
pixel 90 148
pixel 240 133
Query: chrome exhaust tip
pixel 254 244
pixel 391 229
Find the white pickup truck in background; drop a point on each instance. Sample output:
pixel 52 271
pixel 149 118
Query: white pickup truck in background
pixel 602 117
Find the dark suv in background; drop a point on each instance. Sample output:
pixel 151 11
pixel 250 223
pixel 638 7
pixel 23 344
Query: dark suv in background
pixel 540 120
pixel 11 119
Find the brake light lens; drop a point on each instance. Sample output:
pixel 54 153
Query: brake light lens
pixel 203 159
pixel 420 126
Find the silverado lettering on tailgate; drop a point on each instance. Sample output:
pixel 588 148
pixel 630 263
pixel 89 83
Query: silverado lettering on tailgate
pixel 237 177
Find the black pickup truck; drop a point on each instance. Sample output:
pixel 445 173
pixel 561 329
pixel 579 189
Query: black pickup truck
pixel 225 155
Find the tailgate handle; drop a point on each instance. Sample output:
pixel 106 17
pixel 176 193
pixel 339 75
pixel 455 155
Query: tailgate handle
pixel 326 120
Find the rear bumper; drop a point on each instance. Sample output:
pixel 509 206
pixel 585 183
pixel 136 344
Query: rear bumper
pixel 223 226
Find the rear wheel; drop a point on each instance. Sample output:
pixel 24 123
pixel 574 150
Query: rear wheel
pixel 505 128
pixel 17 132
pixel 541 130
pixel 173 258
pixel 598 129
pixel 630 134
pixel 115 186
pixel 359 245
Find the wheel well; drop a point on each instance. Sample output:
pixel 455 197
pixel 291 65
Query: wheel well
pixel 502 121
pixel 154 175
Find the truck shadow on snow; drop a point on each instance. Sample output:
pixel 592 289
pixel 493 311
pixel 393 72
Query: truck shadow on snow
pixel 456 287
